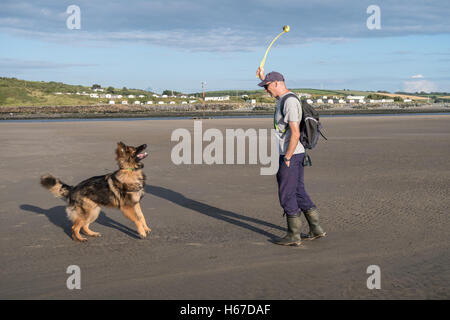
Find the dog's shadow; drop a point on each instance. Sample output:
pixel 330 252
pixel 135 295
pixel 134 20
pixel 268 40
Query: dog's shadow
pixel 57 216
pixel 213 212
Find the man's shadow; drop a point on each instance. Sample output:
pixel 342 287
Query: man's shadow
pixel 213 212
pixel 57 215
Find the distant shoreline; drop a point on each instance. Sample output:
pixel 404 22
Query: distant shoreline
pixel 85 112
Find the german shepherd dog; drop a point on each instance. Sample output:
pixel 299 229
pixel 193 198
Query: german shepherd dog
pixel 122 189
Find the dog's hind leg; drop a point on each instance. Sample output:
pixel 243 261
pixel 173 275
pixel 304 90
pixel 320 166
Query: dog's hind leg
pixel 141 217
pixel 89 232
pixel 75 214
pixel 131 214
pixel 77 224
pixel 92 215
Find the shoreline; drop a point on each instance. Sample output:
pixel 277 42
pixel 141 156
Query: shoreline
pixel 203 114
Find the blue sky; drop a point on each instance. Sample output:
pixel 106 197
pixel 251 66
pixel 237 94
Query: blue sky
pixel 177 44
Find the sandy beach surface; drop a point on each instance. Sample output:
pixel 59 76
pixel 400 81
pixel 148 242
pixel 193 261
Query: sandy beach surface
pixel 381 184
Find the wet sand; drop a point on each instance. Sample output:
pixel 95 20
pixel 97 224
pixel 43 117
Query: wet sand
pixel 381 184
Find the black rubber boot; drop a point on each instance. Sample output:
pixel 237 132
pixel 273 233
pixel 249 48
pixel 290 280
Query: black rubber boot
pixel 292 238
pixel 315 230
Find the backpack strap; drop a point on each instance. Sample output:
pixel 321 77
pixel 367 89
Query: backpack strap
pixel 282 102
pixel 306 160
pixel 320 131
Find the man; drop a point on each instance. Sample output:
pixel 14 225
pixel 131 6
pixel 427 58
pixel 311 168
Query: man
pixel 290 175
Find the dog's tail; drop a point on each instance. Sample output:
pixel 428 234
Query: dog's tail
pixel 55 186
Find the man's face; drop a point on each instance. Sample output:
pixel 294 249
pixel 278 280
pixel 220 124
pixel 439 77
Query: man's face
pixel 271 89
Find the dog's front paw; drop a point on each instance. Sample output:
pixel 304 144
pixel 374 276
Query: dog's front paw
pixel 143 235
pixel 79 238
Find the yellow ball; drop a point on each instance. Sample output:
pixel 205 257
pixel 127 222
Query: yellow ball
pixel 286 28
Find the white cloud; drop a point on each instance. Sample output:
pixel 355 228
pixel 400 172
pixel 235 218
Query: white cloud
pixel 202 25
pixel 417 76
pixel 419 86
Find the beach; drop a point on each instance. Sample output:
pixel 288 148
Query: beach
pixel 381 184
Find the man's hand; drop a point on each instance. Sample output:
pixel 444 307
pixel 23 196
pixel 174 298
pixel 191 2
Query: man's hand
pixel 287 163
pixel 260 73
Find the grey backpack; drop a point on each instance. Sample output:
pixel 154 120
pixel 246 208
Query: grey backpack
pixel 310 126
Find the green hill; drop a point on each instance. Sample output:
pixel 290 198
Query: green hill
pixel 14 92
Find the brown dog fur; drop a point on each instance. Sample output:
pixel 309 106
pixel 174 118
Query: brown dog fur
pixel 122 189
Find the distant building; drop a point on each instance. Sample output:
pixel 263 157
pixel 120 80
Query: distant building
pixel 149 102
pixel 224 98
pixel 131 96
pixel 160 102
pixel 112 102
pixel 124 102
pixel 355 97
pixel 137 102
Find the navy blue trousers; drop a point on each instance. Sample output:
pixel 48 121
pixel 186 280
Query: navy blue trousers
pixel 291 186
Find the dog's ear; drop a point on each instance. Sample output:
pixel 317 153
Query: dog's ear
pixel 120 148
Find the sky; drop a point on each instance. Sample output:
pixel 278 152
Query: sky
pixel 178 44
